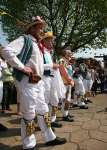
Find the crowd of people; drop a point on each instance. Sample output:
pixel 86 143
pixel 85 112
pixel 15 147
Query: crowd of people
pixel 42 84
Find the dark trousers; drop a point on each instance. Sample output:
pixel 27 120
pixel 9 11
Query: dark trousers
pixel 72 92
pixel 95 87
pixel 7 95
pixel 102 87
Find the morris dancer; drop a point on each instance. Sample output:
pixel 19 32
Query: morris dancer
pixel 28 71
pixel 51 93
pixel 68 81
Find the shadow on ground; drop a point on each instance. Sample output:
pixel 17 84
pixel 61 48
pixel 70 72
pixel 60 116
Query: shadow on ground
pixel 15 121
pixel 10 133
pixel 6 147
pixel 19 147
pixel 7 114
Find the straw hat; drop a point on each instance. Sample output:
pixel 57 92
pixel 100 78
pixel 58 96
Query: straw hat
pixel 46 35
pixel 34 21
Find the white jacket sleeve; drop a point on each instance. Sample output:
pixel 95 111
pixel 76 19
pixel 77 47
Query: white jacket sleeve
pixel 10 51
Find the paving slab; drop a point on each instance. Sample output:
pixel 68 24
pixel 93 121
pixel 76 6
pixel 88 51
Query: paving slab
pixel 92 144
pixel 79 136
pixel 87 132
pixel 103 128
pixel 99 135
pixel 91 125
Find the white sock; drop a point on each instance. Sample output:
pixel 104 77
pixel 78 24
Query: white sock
pixel 53 118
pixel 47 133
pixel 28 141
pixel 65 113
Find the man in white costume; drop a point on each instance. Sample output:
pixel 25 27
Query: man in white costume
pixel 68 82
pixel 50 70
pixel 88 82
pixel 79 90
pixel 28 64
pixel 87 79
pixel 2 66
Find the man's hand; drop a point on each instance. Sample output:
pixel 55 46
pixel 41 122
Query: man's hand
pixel 34 78
pixel 27 70
pixel 55 66
pixel 71 82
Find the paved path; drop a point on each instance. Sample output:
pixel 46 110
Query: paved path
pixel 88 132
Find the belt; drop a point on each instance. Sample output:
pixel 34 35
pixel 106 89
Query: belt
pixel 48 73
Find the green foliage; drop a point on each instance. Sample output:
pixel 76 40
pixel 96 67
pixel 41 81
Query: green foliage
pixel 76 23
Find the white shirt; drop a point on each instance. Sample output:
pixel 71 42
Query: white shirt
pixel 11 51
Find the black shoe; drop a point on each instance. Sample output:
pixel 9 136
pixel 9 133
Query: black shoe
pixel 75 105
pixel 85 102
pixel 34 148
pixel 89 101
pixel 68 118
pixel 3 128
pixel 56 124
pixel 57 141
pixel 83 107
pixel 105 109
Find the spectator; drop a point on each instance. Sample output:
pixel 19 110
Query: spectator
pixel 7 89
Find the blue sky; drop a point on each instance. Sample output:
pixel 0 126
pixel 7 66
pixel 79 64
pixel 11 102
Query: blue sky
pixel 91 52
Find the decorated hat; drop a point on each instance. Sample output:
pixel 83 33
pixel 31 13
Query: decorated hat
pixel 34 21
pixel 46 35
pixel 25 24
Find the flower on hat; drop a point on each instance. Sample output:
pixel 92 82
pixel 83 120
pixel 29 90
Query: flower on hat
pixel 37 18
pixel 34 21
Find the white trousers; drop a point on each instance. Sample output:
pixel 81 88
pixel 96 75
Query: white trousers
pixel 32 102
pixel 79 87
pixel 59 85
pixel 79 90
pixel 51 94
pixel 1 91
pixel 87 84
pixel 68 92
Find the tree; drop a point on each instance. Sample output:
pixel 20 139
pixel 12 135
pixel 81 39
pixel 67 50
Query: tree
pixel 75 23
